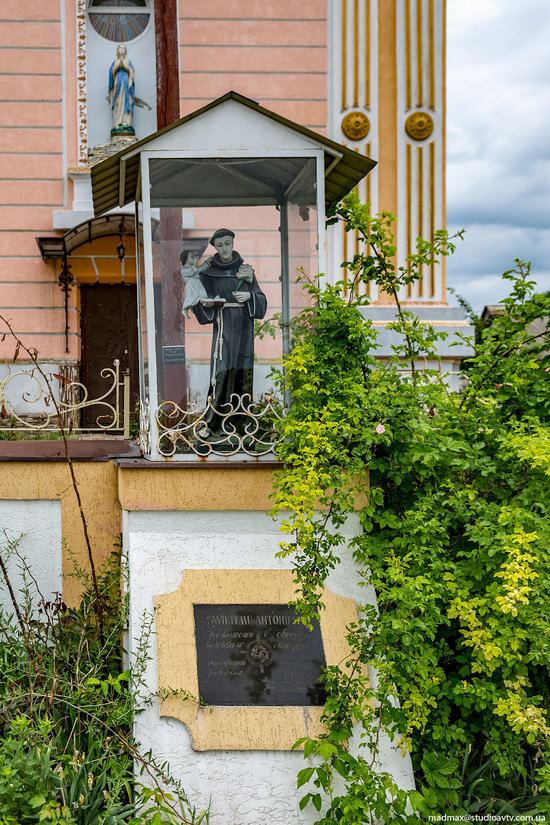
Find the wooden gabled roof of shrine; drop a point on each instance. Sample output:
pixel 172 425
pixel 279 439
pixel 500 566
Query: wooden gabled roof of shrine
pixel 115 180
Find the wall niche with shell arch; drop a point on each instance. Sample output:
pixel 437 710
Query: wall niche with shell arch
pixel 108 24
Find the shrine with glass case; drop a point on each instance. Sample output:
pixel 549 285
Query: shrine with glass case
pixel 216 302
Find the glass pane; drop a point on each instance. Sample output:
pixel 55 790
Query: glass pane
pixel 142 339
pixel 221 315
pixel 303 251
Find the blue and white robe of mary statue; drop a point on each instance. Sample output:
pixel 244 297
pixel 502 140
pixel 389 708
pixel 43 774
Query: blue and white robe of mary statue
pixel 122 93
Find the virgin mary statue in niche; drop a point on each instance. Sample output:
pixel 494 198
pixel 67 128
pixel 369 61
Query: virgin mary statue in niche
pixel 234 299
pixel 122 95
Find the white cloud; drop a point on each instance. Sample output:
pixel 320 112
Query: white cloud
pixel 466 12
pixel 487 251
pixel 498 146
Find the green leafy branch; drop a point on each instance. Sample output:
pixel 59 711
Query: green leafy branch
pixel 453 499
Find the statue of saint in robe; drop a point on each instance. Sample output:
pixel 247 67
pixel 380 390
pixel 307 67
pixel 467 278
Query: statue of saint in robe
pixel 234 301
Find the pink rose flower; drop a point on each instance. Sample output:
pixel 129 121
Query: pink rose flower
pixel 380 429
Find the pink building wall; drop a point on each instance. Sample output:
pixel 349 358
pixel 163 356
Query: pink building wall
pixel 274 52
pixel 32 172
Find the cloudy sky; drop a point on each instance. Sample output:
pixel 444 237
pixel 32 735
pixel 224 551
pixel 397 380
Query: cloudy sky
pixel 498 142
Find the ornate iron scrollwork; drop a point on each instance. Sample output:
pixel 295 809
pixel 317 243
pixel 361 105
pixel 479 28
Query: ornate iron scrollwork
pixel 44 414
pixel 241 427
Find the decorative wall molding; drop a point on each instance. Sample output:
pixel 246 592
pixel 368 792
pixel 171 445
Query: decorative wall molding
pixel 81 91
pixel 400 43
pixel 421 135
pixel 353 100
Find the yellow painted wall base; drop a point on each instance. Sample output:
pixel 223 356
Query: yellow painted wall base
pixel 196 488
pixel 97 483
pixel 106 489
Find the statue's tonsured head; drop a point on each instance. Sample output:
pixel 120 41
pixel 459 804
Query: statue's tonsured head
pixel 222 240
pixel 221 233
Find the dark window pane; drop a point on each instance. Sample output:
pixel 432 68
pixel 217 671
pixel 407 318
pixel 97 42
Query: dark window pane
pixel 119 28
pixel 118 3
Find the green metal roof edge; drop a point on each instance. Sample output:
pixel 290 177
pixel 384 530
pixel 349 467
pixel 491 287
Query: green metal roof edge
pixel 359 163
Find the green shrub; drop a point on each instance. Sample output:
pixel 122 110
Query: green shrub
pixel 455 542
pixel 67 707
pixel 29 785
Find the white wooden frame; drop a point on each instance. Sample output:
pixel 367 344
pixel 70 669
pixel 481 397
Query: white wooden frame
pixel 145 157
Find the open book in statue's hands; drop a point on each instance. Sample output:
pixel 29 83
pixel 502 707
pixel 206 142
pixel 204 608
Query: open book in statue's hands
pixel 215 302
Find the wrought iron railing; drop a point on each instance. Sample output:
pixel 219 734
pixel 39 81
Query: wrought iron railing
pixel 35 401
pixel 240 426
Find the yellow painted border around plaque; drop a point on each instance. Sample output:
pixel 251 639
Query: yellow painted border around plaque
pixel 236 728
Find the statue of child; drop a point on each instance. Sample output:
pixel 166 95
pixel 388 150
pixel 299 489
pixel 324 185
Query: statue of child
pixel 190 273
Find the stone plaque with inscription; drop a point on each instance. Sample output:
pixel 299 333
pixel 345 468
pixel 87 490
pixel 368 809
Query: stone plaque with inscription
pixel 254 654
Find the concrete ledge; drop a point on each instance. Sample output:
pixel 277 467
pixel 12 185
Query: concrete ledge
pixel 79 450
pixel 191 462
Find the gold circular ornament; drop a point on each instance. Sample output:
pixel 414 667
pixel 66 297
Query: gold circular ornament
pixel 419 125
pixel 356 125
